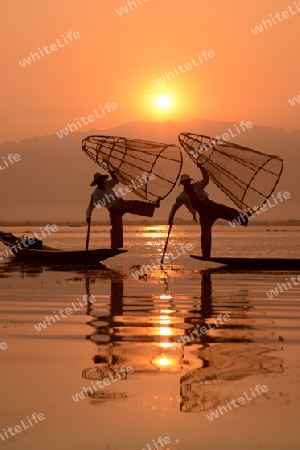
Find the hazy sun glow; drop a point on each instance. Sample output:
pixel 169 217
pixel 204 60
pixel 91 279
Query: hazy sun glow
pixel 163 102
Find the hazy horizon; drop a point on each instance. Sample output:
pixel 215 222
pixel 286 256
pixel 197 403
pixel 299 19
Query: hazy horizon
pixel 134 122
pixel 46 158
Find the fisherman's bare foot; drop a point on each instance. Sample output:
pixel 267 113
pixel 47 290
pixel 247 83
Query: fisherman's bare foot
pixel 245 219
pixel 157 203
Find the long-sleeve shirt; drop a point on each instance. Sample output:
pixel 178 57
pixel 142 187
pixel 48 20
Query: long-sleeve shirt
pixel 106 197
pixel 183 198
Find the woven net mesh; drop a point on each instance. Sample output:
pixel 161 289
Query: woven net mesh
pixel 246 176
pixel 151 168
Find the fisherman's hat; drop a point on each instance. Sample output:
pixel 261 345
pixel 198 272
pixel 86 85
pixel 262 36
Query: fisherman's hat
pixel 184 177
pixel 99 177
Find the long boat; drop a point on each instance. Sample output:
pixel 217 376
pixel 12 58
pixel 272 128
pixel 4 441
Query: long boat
pixel 50 255
pixel 73 257
pixel 281 264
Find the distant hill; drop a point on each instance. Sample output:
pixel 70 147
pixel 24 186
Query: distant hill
pixel 52 180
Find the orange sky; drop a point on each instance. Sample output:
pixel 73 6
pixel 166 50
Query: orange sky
pixel 117 58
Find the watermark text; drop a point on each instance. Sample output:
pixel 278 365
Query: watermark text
pixel 237 403
pixel 9 160
pixel 132 5
pixel 87 300
pixel 85 120
pixel 279 17
pixel 200 331
pixel 183 68
pixel 47 49
pixel 24 424
pixel 242 217
pixel 113 376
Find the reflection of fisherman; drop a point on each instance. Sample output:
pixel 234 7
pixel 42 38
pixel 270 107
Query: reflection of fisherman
pixel 196 200
pixel 104 195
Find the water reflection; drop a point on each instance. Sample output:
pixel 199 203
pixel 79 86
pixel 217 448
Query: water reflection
pixel 141 330
pixel 25 268
pixel 28 268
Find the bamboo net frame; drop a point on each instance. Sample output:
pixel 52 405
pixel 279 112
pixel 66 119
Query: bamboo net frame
pixel 248 177
pixel 133 159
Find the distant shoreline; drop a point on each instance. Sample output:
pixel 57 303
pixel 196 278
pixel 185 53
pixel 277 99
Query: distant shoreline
pixel 74 223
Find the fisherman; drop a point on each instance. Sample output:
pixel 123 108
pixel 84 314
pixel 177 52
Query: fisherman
pixel 196 199
pixel 104 195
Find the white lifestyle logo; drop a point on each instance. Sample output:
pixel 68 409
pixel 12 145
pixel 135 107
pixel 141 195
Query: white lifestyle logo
pixel 17 428
pixel 274 293
pixel 11 158
pixel 294 100
pixel 110 198
pixel 22 244
pixel 270 22
pixel 187 66
pixel 200 331
pixel 160 441
pixel 68 311
pixel 89 391
pixel 53 47
pixel 204 147
pixel 240 401
pixel 144 270
pixel 124 9
pixel 71 127
pixel 242 216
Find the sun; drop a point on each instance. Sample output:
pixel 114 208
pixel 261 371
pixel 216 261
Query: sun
pixel 163 102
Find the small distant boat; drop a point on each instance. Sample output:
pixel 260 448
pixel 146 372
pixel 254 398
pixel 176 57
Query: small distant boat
pixel 44 254
pixel 282 264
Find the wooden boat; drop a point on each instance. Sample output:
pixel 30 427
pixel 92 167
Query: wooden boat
pixel 253 263
pixel 73 257
pixel 51 255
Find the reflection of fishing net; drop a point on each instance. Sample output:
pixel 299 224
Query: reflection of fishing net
pixel 203 389
pixel 103 396
pixel 246 176
pixel 198 393
pixel 151 168
pixel 97 373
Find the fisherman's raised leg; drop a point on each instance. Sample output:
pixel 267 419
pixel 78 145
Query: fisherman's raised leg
pixel 225 212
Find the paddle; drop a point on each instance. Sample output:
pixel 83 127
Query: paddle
pixel 166 245
pixel 88 236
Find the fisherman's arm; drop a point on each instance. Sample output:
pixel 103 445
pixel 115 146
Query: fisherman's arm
pixel 182 199
pixel 205 175
pixel 114 179
pixel 192 211
pixel 179 202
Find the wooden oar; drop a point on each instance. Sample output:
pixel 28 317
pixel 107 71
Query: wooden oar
pixel 166 245
pixel 88 236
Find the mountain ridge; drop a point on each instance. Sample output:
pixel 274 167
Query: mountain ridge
pixel 53 176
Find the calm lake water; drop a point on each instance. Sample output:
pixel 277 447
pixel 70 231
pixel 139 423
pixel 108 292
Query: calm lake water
pixel 170 389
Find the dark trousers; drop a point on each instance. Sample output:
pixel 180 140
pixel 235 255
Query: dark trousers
pixel 209 212
pixel 116 217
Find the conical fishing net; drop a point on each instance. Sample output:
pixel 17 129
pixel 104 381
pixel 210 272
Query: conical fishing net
pixel 246 176
pixel 151 168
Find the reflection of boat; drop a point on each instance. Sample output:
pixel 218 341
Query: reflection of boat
pixel 254 263
pixel 37 252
